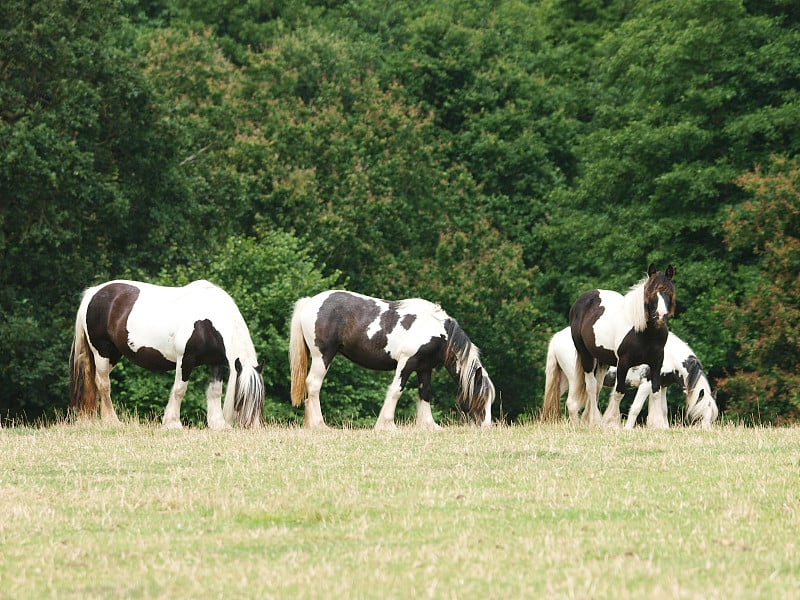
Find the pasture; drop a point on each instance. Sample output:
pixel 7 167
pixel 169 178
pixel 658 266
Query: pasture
pixel 555 511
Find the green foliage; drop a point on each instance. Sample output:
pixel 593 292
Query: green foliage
pixel 498 157
pixel 78 150
pixel 765 318
pixel 482 282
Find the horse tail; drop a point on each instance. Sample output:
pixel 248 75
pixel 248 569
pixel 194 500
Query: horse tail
pixel 298 355
pixel 82 386
pixel 580 381
pixel 551 405
pixel 249 398
pixel 475 389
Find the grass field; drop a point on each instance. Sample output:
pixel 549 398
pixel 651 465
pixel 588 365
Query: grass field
pixel 536 511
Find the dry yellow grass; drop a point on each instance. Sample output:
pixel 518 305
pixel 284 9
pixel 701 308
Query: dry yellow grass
pixel 536 511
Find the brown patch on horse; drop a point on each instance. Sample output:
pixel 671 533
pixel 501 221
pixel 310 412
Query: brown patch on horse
pixel 107 319
pixel 107 327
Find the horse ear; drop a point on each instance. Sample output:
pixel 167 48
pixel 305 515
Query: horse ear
pixel 238 365
pixel 651 269
pixel 669 272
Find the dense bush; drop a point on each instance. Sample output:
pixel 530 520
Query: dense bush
pixel 499 158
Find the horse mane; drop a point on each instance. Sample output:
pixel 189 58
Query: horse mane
pixel 249 399
pixel 462 356
pixel 678 356
pixel 633 302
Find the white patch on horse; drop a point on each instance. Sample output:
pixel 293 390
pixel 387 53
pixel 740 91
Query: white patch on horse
pixel 606 331
pixel 661 307
pixel 402 343
pixel 375 327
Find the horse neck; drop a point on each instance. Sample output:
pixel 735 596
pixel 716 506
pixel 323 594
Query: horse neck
pixel 462 360
pixel 633 303
pixel 241 344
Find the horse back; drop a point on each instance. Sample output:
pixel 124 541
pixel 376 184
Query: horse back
pixel 153 325
pixel 374 333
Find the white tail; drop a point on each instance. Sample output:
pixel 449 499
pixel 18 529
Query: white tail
pixel 298 355
pixel 82 385
pixel 551 405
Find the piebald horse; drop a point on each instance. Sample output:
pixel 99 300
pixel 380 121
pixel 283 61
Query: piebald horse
pixel 680 367
pixel 404 336
pixel 609 329
pixel 161 329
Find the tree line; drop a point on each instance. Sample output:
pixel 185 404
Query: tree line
pixel 496 157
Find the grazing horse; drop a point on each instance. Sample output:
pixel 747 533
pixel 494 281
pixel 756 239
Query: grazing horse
pixel 683 368
pixel 161 329
pixel 680 366
pixel 404 336
pixel 609 329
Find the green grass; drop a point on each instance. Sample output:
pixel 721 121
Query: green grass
pixel 529 511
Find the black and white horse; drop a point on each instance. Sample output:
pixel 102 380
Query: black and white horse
pixel 404 336
pixel 609 329
pixel 680 367
pixel 161 329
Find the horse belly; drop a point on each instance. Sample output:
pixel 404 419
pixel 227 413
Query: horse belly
pixel 152 335
pixel 374 358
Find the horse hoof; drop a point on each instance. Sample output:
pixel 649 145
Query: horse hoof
pixel 385 426
pixel 172 425
pixel 432 426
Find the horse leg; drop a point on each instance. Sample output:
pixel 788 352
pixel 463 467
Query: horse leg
pixel 642 392
pixel 102 378
pixel 611 417
pixel 574 404
pixel 591 413
pixel 574 407
pixel 214 416
pixel 386 416
pixel 657 410
pixel 313 412
pixel 172 413
pixel 487 415
pixel 424 415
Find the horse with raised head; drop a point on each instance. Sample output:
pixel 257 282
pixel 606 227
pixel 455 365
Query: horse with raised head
pixel 609 329
pixel 160 329
pixel 680 367
pixel 404 336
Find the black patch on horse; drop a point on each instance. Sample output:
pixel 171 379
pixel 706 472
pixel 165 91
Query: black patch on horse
pixel 204 347
pixel 408 321
pixel 589 305
pixel 341 326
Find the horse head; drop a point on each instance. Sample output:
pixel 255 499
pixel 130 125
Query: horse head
pixel 659 295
